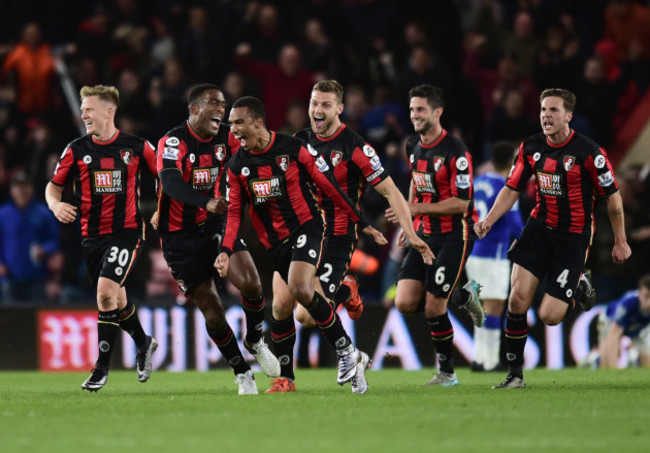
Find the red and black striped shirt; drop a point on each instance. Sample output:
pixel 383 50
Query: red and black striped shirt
pixel 355 165
pixel 201 163
pixel 280 185
pixel 568 177
pixel 106 181
pixel 439 171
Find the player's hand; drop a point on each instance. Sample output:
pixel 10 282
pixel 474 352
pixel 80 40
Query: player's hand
pixel 422 247
pixel 481 228
pixel 621 252
pixel 217 205
pixel 402 242
pixel 221 264
pixel 154 220
pixel 64 212
pixel 390 216
pixel 377 235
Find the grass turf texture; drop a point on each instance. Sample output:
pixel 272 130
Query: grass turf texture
pixel 570 410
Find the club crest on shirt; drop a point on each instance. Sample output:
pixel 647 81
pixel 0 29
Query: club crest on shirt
pixel 336 157
pixel 438 162
pixel 282 161
pixel 126 155
pixel 220 152
pixel 568 162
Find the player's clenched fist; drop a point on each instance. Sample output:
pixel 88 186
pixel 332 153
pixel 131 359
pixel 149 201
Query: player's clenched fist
pixel 221 264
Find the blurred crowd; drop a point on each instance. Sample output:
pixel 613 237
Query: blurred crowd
pixel 491 57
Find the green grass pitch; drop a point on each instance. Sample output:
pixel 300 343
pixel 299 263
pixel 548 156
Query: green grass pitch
pixel 571 410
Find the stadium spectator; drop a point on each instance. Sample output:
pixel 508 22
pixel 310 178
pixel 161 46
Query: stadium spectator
pixel 423 67
pixel 627 23
pixel 104 166
pixel 281 81
pixel 493 83
pixel 488 264
pixel 168 98
pixel 296 118
pixel 291 228
pixel 508 120
pixel 263 30
pixel 30 252
pixel 520 39
pixel 558 61
pixel 32 64
pixel 197 47
pixel 192 157
pixel 441 204
pixel 569 168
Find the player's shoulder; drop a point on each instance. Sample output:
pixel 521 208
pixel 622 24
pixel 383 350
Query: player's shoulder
pixel 305 134
pixel 179 131
pixel 454 142
pixel 584 143
pixel 351 139
pixel 78 143
pixel 411 142
pixel 130 140
pixel 289 142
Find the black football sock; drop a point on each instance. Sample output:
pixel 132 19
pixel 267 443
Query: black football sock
pixel 107 328
pixel 225 340
pixel 328 322
pixel 342 295
pixel 460 297
pixel 283 335
pixel 442 334
pixel 254 309
pixel 129 322
pixel 516 334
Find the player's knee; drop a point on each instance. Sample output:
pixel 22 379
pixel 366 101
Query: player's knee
pixel 302 292
pixel 518 302
pixel 250 287
pixel 282 309
pixel 406 306
pixel 214 315
pixel 550 317
pixel 303 317
pixel 106 301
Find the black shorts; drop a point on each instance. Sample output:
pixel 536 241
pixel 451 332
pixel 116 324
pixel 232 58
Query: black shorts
pixel 113 256
pixel 304 245
pixel 560 257
pixel 442 276
pixel 190 255
pixel 335 263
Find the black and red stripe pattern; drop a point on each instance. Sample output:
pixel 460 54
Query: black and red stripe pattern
pixel 439 171
pixel 106 181
pixel 201 163
pixel 355 165
pixel 280 185
pixel 568 176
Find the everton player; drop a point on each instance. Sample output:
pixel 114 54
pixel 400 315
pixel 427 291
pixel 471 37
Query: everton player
pixel 105 168
pixel 488 262
pixel 570 170
pixel 191 162
pixel 277 176
pixel 440 201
